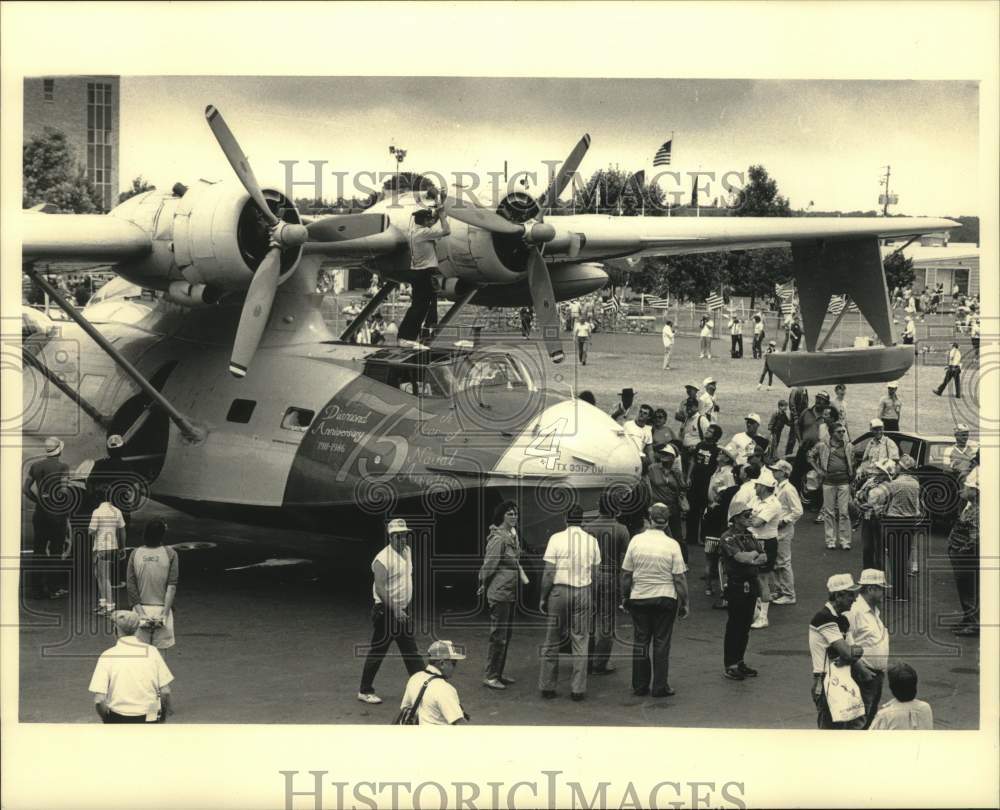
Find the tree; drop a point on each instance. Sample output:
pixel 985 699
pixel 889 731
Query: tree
pixel 52 176
pixel 760 198
pixel 139 185
pixel 755 272
pixel 898 270
pixel 605 189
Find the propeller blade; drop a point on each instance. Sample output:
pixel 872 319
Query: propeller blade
pixel 256 309
pixel 238 160
pixel 544 301
pixel 565 173
pixel 484 218
pixel 344 227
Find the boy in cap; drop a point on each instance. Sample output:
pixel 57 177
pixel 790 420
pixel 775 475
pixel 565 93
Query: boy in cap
pixel 890 407
pixel 743 558
pixel 392 590
pixel 829 640
pixel 46 479
pixel 869 632
pixel 436 700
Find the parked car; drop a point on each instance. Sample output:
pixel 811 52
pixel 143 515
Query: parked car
pixel 939 485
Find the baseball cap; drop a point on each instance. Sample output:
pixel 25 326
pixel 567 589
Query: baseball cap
pixel 708 381
pixel 876 423
pixel 444 650
pixel 823 395
pixel 872 576
pixel 766 479
pixel 841 582
pixel 742 513
pixel 782 465
pixel 695 386
pixel 127 621
pixel 53 446
pixel 754 416
pixel 659 513
pixel 730 451
pixel 115 441
pixel 893 385
pixel 668 450
pixel 961 427
pixel 397 526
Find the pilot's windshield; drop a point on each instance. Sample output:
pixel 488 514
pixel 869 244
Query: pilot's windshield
pixel 447 376
pixel 491 371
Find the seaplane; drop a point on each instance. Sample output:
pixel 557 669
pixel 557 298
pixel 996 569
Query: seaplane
pixel 236 401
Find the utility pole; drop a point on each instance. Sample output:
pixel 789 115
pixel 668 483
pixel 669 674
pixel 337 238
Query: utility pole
pixel 886 198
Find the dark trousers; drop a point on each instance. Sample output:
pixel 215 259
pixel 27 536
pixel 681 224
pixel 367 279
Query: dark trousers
pixel 676 528
pixel 950 373
pixel 602 638
pixel 975 347
pixel 898 535
pixel 741 599
pixel 653 623
pixel 766 373
pixel 693 528
pixel 581 349
pixel 891 424
pixel 871 692
pixel 758 346
pixel 387 628
pixel 965 567
pixel 114 717
pixel 422 309
pixel 736 350
pixel 48 532
pixel 501 627
pixel 872 550
pixel 795 343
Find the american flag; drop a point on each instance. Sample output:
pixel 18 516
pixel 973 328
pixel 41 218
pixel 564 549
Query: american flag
pixel 788 307
pixel 785 291
pixel 664 304
pixel 662 156
pixel 715 301
pixel 837 305
pixel 612 305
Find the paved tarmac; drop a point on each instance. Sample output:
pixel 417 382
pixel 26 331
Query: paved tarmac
pixel 283 643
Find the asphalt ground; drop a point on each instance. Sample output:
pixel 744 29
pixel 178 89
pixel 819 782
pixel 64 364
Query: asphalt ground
pixel 261 642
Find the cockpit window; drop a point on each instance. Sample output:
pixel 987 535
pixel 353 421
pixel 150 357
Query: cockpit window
pixel 444 374
pixel 297 419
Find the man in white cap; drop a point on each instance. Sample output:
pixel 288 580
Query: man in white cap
pixel 764 522
pixel 44 486
pixel 131 684
pixel 392 590
pixel 708 405
pixel 963 551
pixel 749 442
pixel 879 448
pixel 869 632
pixel 743 557
pixel 666 486
pixel 890 407
pixel 959 456
pixel 429 693
pixel 791 512
pixel 654 588
pixel 834 462
pixel 872 499
pixel 830 640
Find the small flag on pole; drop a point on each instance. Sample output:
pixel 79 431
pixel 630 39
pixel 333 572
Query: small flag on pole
pixel 836 305
pixel 785 291
pixel 788 307
pixel 662 156
pixel 715 301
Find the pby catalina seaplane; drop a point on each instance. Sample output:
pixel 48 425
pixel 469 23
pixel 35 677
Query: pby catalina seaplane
pixel 319 433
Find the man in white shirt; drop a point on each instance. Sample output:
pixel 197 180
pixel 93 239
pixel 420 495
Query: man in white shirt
pixel 791 511
pixel 654 588
pixel 764 527
pixel 392 590
pixel 574 315
pixel 868 631
pixel 708 405
pixel 439 704
pixel 640 431
pixel 746 496
pixel 959 457
pixel 909 331
pixel 131 684
pixel 890 407
pixel 668 343
pixel 707 326
pixel 582 331
pixel 952 372
pixel 572 557
pixel 880 448
pixel 107 534
pixel 746 443
pixel 423 233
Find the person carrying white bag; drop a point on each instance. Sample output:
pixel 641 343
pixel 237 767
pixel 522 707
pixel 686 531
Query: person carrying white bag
pixel 835 693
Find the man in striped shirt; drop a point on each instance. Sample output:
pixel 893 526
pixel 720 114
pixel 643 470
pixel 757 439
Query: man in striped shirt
pixel 830 640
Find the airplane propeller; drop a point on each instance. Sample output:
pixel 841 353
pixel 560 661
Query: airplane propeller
pixel 283 236
pixel 535 233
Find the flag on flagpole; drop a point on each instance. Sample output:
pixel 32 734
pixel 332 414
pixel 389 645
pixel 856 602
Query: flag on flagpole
pixel 662 156
pixel 715 301
pixel 788 307
pixel 836 305
pixel 785 291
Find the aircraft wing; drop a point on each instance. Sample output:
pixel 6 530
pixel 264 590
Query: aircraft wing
pixel 81 237
pixel 663 236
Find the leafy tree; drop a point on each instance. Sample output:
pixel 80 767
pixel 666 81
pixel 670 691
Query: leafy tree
pixel 760 197
pixel 52 176
pixel 755 272
pixel 139 185
pixel 898 270
pixel 605 189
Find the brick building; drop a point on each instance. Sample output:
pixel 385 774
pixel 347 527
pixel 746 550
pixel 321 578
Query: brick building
pixel 85 109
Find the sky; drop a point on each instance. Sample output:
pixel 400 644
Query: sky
pixel 825 142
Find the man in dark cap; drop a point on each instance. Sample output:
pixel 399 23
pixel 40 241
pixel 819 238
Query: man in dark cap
pixel 743 557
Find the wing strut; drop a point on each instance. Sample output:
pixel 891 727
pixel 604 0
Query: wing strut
pixel 190 432
pixel 451 313
pixel 370 307
pixel 68 390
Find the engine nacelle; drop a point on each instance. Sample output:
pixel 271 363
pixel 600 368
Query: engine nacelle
pixel 213 237
pixel 570 280
pixel 193 295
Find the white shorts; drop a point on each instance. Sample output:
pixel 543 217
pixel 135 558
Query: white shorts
pixel 160 637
